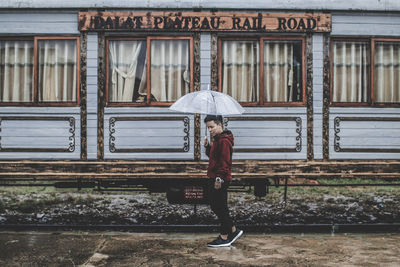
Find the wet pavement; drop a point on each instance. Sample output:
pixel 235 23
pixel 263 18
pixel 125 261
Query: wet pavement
pixel 89 249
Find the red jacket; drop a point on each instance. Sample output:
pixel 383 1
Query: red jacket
pixel 220 156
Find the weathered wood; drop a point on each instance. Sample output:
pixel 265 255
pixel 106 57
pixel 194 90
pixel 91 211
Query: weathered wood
pixel 101 83
pixel 196 87
pixel 190 169
pixel 326 98
pixel 309 96
pixel 323 5
pixel 214 62
pixel 83 95
pixel 204 21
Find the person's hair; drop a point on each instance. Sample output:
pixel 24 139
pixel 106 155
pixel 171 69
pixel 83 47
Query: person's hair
pixel 216 118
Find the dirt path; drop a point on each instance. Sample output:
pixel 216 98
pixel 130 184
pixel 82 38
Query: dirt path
pixel 133 249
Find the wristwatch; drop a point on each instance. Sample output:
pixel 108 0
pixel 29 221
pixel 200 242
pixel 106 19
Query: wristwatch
pixel 219 180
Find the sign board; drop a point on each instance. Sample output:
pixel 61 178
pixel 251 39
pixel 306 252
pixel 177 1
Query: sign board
pixel 204 21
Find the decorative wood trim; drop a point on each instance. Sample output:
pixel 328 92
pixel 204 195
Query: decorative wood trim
pixel 326 97
pixel 101 82
pixel 298 121
pixel 71 147
pixel 214 62
pixel 83 94
pixel 186 138
pixel 197 137
pixel 196 87
pixel 337 147
pixel 196 62
pixel 309 88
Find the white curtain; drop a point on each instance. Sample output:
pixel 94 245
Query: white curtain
pixel 123 64
pixel 351 68
pixel 170 69
pixel 387 73
pixel 16 71
pixel 57 70
pixel 240 70
pixel 278 71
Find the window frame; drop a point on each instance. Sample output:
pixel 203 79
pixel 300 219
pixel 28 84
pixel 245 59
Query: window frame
pixel 34 90
pixel 147 39
pixel 371 98
pixel 261 39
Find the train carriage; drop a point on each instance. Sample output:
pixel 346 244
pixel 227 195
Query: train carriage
pixel 85 89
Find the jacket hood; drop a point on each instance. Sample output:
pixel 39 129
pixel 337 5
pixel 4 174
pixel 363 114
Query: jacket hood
pixel 226 134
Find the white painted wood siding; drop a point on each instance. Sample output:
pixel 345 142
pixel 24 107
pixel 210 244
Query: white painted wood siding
pixel 147 134
pixel 361 135
pixel 378 5
pixel 364 24
pixel 205 61
pixel 37 134
pixel 257 134
pixel 368 134
pixel 268 134
pixel 318 59
pixel 92 91
pixel 39 22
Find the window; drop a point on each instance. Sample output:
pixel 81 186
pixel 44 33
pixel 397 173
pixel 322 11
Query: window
pixel 351 68
pixel 355 82
pixel 264 71
pixel 148 71
pixel 386 72
pixel 48 78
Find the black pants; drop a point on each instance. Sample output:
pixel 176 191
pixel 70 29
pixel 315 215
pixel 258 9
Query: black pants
pixel 219 205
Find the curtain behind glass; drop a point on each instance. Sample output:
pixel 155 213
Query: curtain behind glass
pixel 387 72
pixel 170 69
pixel 278 71
pixel 57 70
pixel 240 70
pixel 351 68
pixel 127 71
pixel 16 71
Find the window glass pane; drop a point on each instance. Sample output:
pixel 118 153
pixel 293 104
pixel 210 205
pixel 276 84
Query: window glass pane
pixel 351 71
pixel 16 71
pixel 170 69
pixel 283 71
pixel 240 70
pixel 57 71
pixel 387 72
pixel 127 71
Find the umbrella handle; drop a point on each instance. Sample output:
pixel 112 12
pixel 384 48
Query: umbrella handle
pixel 205 133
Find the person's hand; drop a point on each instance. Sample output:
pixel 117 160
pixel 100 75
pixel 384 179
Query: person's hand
pixel 205 142
pixel 217 185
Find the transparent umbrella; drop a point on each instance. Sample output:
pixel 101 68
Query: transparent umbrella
pixel 208 102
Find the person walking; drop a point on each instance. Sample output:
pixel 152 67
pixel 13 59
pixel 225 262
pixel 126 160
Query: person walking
pixel 219 151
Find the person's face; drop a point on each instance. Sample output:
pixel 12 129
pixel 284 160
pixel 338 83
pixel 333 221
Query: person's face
pixel 214 128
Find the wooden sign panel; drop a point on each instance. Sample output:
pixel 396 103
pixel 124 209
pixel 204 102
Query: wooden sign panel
pixel 204 21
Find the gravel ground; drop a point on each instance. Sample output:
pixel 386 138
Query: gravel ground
pixel 352 207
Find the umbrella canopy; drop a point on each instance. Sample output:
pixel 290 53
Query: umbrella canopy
pixel 208 102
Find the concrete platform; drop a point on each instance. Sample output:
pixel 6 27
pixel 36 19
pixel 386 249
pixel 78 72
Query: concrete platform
pixel 182 249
